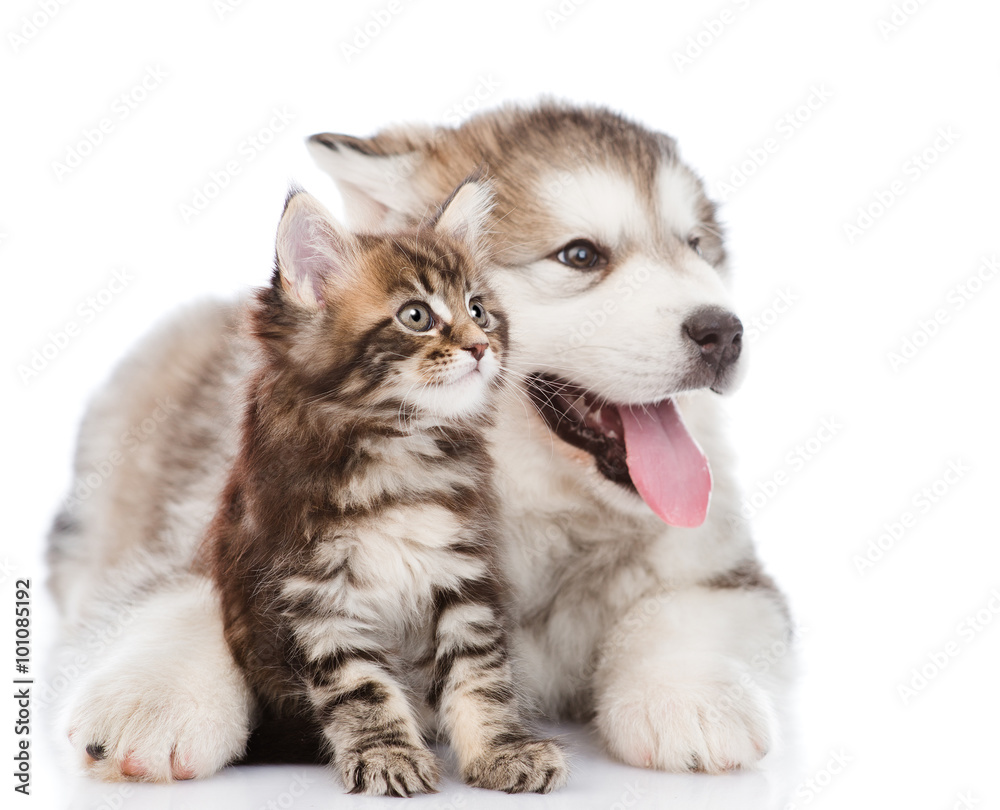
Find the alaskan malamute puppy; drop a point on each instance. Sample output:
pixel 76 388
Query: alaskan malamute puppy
pixel 639 600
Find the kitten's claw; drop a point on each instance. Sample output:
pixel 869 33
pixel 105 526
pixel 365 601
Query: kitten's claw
pixel 534 766
pixel 390 771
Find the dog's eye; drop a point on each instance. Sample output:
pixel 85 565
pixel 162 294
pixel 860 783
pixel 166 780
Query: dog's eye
pixel 416 316
pixel 581 254
pixel 694 242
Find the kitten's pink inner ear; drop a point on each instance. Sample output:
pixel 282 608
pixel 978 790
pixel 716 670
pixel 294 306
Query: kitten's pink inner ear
pixel 311 250
pixel 465 216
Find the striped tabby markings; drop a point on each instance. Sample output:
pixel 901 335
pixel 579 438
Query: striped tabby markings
pixel 473 691
pixel 376 741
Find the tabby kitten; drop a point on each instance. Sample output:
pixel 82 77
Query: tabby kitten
pixel 355 546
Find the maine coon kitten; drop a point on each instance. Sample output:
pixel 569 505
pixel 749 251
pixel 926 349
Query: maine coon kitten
pixel 355 546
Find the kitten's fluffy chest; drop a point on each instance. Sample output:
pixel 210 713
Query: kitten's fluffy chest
pixel 400 468
pixel 384 570
pixel 409 524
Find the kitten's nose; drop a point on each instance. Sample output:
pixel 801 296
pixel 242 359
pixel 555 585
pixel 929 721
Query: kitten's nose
pixel 477 350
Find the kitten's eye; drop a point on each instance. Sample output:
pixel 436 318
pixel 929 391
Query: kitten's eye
pixel 694 242
pixel 581 254
pixel 479 313
pixel 416 316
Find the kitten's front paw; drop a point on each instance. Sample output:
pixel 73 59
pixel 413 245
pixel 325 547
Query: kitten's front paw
pixel 712 725
pixel 389 771
pixel 532 766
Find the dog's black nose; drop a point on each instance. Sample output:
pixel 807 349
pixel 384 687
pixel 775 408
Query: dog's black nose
pixel 718 334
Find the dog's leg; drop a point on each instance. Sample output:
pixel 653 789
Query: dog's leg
pixel 159 696
pixel 691 685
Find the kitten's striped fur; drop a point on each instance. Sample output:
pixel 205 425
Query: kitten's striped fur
pixel 356 545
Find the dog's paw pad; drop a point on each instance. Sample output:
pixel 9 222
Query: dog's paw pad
pixel 133 767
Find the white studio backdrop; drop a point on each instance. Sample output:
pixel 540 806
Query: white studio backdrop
pixel 146 151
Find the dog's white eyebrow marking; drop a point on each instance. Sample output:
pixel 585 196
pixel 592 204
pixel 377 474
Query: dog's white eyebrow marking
pixel 678 197
pixel 596 204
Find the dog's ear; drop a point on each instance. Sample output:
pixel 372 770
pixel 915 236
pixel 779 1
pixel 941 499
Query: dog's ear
pixel 378 177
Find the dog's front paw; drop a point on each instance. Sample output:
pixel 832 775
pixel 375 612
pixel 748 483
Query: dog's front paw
pixel 716 723
pixel 531 766
pixel 165 699
pixel 130 722
pixel 391 770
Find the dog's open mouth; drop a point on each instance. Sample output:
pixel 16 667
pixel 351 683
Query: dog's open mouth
pixel 646 448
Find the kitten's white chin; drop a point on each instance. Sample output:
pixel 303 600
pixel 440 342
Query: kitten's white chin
pixel 464 397
pixel 464 393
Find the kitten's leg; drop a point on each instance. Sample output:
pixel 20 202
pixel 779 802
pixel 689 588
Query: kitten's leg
pixel 690 682
pixel 158 696
pixel 378 747
pixel 473 691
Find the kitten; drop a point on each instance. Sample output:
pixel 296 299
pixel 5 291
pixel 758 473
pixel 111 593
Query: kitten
pixel 355 546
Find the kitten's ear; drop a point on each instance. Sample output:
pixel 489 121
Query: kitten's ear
pixel 465 215
pixel 311 250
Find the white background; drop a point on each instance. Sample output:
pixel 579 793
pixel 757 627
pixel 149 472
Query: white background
pixel 855 300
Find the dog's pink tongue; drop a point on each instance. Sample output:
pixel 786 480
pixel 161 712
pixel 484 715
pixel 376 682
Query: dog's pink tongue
pixel 666 464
